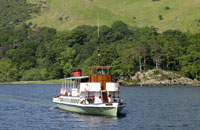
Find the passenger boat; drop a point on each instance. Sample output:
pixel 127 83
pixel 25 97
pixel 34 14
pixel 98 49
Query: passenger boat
pixel 95 94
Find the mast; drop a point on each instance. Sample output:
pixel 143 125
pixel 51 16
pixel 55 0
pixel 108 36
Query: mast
pixel 99 52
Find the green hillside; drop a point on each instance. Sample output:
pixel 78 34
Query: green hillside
pixel 163 14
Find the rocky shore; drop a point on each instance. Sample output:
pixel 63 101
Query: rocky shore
pixel 158 77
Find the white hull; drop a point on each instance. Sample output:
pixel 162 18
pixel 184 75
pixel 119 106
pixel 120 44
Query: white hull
pixel 106 109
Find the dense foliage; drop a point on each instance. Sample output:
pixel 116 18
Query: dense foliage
pixel 42 53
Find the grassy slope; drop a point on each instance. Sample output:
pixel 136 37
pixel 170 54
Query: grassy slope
pixel 183 14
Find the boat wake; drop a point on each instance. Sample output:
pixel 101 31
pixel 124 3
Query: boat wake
pixel 24 99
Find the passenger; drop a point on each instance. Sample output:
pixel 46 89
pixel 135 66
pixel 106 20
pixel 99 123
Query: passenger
pixel 109 97
pixel 86 102
pixel 89 100
pixel 101 71
pixel 83 102
pixel 93 98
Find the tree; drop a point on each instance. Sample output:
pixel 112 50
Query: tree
pixel 105 35
pixel 139 53
pixel 82 33
pixel 8 72
pixel 108 55
pixel 128 65
pixel 66 60
pixel 174 46
pixel 24 56
pixel 119 31
pixel 156 54
pixel 190 61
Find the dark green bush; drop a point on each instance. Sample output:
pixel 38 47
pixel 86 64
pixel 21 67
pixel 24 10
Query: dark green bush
pixel 167 7
pixel 160 17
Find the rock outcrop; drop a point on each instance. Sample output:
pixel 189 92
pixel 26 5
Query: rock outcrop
pixel 158 77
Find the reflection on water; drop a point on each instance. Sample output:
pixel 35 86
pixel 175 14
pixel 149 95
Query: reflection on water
pixel 30 107
pixel 88 121
pixel 94 121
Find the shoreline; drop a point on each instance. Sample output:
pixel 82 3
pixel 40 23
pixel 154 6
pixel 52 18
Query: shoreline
pixel 34 82
pixel 129 85
pixel 161 85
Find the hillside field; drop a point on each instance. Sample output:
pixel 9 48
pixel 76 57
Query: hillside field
pixel 164 14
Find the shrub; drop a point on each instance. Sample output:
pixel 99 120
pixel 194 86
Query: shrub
pixel 60 19
pixel 160 17
pixel 157 71
pixel 167 7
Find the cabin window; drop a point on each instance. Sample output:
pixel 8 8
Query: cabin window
pixel 103 71
pixel 106 71
pixel 114 94
pixel 94 71
pixel 90 94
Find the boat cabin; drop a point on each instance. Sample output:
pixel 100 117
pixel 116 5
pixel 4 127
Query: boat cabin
pixel 100 74
pixel 95 88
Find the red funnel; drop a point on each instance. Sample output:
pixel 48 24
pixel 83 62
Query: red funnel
pixel 76 73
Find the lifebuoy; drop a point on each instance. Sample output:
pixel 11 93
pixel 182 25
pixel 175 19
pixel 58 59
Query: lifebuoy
pixel 63 91
pixel 86 88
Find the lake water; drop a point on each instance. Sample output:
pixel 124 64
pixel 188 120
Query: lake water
pixel 24 107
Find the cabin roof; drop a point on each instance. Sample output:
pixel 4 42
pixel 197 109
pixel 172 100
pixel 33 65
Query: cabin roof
pixel 81 77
